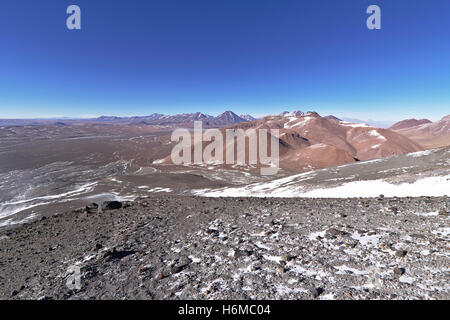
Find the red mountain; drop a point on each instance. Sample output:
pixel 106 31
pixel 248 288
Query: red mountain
pixel 310 141
pixel 409 124
pixel 429 134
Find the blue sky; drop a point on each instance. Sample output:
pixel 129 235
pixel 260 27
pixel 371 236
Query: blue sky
pixel 260 57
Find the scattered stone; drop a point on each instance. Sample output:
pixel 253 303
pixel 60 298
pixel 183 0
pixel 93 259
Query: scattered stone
pixel 126 204
pixel 175 269
pixel 115 254
pixel 97 247
pixel 213 232
pixel 401 253
pixel 443 212
pixel 315 292
pixel 255 267
pixel 143 269
pixel 242 253
pixel 352 243
pixel 335 232
pixel 393 210
pixel 399 271
pixel 92 208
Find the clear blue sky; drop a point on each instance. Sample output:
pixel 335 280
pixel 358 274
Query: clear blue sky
pixel 137 57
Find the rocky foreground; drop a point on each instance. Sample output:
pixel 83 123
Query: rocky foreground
pixel 234 248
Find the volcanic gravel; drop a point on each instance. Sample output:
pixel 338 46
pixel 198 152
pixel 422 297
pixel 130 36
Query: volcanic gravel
pixel 168 247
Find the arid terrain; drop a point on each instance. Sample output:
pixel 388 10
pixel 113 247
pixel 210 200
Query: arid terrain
pixel 356 212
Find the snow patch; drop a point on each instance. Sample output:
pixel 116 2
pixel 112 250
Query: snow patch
pixel 375 133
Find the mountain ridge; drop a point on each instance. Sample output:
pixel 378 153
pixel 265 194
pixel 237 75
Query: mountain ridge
pixel 428 134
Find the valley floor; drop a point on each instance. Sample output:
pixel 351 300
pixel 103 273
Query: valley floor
pixel 177 247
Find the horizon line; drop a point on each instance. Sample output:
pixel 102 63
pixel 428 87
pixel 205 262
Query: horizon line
pixel 93 117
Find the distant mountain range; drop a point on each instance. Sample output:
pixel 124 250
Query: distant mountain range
pixel 423 132
pixel 185 119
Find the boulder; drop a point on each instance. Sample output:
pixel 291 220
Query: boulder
pixel 111 205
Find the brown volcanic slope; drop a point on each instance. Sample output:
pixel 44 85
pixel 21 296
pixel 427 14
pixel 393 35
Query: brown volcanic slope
pixel 409 124
pixel 429 135
pixel 310 141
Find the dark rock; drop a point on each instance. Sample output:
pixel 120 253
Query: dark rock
pixel 242 253
pixel 393 209
pixel 401 253
pixel 399 271
pixel 336 232
pixel 97 247
pixel 213 232
pixel 160 276
pixel 127 204
pixel 111 205
pixel 117 255
pixel 315 292
pixel 175 269
pixel 282 270
pixel 92 208
pixel 443 212
pixel 143 269
pixel 79 210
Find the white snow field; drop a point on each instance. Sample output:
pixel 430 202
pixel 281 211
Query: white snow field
pixel 430 186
